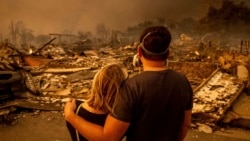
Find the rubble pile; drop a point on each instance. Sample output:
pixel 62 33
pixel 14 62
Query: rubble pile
pixel 45 81
pixel 196 72
pixel 9 58
pixel 213 98
pixel 65 74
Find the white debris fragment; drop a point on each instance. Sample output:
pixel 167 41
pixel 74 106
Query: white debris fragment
pixel 204 128
pixel 65 100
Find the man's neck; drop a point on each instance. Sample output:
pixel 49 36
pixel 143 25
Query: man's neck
pixel 154 66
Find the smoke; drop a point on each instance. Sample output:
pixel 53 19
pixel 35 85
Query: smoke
pixel 55 16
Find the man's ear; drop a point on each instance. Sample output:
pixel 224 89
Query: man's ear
pixel 139 51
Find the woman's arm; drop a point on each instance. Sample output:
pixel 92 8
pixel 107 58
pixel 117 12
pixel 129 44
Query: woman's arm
pixel 113 129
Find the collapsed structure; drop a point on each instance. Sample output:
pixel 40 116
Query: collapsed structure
pixel 47 79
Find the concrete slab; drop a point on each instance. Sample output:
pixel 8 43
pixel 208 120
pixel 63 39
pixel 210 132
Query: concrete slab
pixel 242 106
pixel 239 113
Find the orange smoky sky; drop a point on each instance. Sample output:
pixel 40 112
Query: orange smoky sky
pixel 56 16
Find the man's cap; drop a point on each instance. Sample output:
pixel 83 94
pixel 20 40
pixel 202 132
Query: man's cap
pixel 156 40
pixel 151 52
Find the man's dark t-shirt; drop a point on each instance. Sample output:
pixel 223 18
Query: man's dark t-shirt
pixel 154 103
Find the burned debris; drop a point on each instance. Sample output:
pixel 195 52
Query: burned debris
pixel 45 77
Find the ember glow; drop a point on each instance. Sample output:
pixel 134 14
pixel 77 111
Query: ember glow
pixel 30 51
pixel 197 53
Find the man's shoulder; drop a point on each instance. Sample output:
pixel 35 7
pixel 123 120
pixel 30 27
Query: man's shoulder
pixel 176 73
pixel 148 73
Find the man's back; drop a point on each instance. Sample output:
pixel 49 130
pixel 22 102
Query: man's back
pixel 154 103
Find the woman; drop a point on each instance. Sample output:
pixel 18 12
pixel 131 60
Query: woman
pixel 103 95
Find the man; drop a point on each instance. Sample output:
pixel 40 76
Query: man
pixel 153 105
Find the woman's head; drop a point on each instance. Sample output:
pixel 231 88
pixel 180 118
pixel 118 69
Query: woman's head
pixel 105 87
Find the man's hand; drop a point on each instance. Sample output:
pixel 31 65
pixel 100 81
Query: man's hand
pixel 69 108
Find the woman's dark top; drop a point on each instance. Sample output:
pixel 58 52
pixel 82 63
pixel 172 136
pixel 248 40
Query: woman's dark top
pixel 91 117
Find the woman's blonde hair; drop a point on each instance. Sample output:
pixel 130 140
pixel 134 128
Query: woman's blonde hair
pixel 105 87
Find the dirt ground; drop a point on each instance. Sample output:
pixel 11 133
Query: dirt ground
pixel 35 125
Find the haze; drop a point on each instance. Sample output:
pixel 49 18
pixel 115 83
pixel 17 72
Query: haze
pixel 55 16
